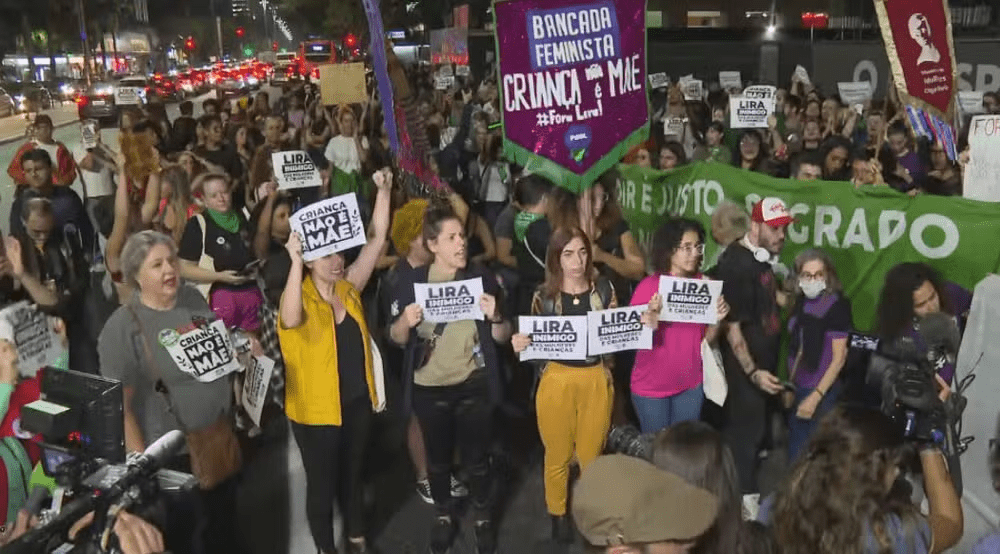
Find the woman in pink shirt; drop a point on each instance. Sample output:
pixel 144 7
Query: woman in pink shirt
pixel 667 380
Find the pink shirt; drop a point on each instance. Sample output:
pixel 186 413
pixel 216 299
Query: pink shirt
pixel 674 364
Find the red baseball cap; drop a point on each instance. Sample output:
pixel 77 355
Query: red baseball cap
pixel 771 211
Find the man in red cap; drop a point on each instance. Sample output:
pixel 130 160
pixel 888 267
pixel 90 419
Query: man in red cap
pixel 754 333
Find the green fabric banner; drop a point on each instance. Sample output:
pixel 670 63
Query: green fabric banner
pixel 866 230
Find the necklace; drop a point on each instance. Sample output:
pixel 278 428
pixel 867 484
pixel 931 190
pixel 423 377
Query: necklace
pixel 576 300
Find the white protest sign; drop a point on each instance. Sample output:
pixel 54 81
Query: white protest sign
pixel 255 382
pixel 855 93
pixel 205 352
pixel 37 343
pixel 693 89
pixel 658 80
pixel 690 300
pixel 802 74
pixel 749 113
pixel 760 92
pixel 329 226
pixel 88 134
pixel 462 70
pixel 554 338
pixel 971 102
pixel 295 169
pixel 444 83
pixel 729 80
pixel 128 96
pixel 980 178
pixel 451 301
pixel 617 329
pixel 674 126
pixel 446 70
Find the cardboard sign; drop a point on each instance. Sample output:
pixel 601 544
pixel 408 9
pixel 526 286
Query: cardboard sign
pixel 255 383
pixel 451 301
pixel 730 80
pixel 463 70
pixel 616 330
pixel 980 176
pixel 128 96
pixel 693 89
pixel 690 300
pixel 88 134
pixel 342 83
pixel 855 93
pixel 444 83
pixel 554 338
pixel 37 343
pixel 206 352
pixel 750 113
pixel 659 80
pixel 329 226
pixel 295 169
pixel 971 102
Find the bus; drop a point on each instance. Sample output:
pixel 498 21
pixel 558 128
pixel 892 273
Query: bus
pixel 314 53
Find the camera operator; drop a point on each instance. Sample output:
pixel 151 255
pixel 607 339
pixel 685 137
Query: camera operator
pixel 912 291
pixel 135 535
pixel 624 505
pixel 845 495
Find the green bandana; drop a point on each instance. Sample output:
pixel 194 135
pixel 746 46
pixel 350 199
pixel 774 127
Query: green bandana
pixel 521 222
pixel 230 221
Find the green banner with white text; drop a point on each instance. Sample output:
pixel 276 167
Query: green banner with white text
pixel 866 230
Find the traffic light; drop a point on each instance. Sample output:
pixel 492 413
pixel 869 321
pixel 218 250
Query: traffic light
pixel 350 40
pixel 274 46
pixel 189 44
pixel 240 31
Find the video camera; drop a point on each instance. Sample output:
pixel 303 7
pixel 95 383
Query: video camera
pixel 80 420
pixel 904 371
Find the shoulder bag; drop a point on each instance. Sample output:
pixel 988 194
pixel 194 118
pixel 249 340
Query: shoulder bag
pixel 214 450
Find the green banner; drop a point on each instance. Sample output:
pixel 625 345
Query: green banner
pixel 866 230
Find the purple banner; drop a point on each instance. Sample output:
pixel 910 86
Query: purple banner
pixel 381 68
pixel 572 84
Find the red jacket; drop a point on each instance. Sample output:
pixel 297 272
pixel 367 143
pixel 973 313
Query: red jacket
pixel 63 171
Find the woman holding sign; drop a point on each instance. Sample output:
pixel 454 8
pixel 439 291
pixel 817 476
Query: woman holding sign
pixel 452 374
pixel 667 380
pixel 574 398
pixel 330 390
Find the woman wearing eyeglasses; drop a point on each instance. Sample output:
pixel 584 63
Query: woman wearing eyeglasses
pixel 667 380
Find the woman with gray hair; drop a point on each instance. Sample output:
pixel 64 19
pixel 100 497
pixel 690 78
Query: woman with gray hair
pixel 821 319
pixel 173 357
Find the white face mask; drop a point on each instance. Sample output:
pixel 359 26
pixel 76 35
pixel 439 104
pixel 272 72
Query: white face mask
pixel 812 288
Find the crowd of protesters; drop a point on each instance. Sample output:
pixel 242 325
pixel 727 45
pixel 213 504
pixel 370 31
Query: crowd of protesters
pixel 186 219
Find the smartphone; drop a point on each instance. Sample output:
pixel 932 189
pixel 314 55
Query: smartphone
pixel 251 267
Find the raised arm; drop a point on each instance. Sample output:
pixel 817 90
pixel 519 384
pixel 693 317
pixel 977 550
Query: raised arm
pixel 361 270
pixel 291 312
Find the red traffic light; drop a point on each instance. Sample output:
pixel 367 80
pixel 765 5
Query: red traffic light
pixel 274 46
pixel 240 31
pixel 189 43
pixel 350 40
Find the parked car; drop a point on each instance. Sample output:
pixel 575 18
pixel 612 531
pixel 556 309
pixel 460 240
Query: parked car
pixel 6 104
pixel 30 97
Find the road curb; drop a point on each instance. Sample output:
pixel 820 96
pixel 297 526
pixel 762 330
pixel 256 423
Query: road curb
pixel 6 141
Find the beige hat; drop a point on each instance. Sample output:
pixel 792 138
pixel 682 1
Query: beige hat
pixel 624 500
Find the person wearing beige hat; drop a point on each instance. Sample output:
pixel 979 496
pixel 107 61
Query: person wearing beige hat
pixel 626 505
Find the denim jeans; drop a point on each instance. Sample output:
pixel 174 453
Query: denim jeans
pixel 660 413
pixel 799 430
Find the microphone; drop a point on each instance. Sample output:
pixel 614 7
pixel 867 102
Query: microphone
pixel 158 453
pixel 939 330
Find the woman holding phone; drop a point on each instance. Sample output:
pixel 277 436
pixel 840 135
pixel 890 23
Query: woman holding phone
pixel 215 253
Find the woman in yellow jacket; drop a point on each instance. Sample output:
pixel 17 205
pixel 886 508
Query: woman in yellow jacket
pixel 329 384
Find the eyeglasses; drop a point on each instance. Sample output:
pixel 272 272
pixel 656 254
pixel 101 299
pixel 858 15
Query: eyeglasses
pixel 692 249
